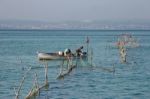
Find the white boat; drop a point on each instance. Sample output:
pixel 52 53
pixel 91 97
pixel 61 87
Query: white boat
pixel 56 56
pixel 49 56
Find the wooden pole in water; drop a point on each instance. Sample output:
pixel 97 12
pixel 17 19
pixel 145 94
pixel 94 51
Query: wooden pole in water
pixel 62 67
pixel 61 70
pixel 46 74
pixel 70 67
pixel 91 57
pixel 36 81
pixel 23 79
pixel 87 45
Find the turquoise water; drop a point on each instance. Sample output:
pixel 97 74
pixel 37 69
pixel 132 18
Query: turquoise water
pixel 129 81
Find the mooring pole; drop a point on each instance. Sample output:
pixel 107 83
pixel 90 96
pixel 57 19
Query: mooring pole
pixel 87 47
pixel 87 44
pixel 46 74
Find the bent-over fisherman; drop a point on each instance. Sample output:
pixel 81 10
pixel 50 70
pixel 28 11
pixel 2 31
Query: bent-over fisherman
pixel 67 52
pixel 79 51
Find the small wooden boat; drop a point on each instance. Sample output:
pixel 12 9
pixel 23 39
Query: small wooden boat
pixel 56 56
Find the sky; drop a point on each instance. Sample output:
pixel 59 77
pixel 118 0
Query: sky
pixel 75 10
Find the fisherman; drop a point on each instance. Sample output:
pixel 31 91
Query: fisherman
pixel 67 52
pixel 79 51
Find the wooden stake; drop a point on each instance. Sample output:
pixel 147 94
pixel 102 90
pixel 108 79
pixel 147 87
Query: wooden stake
pixel 46 74
pixel 23 79
pixel 70 67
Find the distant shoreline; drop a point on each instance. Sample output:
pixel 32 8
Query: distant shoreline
pixel 74 29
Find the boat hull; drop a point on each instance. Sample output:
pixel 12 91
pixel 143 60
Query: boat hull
pixel 55 56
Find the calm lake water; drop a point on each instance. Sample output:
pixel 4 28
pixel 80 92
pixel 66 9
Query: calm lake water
pixel 129 81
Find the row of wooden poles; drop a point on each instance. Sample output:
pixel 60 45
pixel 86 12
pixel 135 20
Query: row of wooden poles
pixel 35 90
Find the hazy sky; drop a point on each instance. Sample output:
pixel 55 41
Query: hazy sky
pixel 75 10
